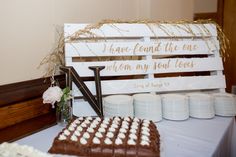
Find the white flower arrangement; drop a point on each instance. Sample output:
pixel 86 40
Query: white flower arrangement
pixel 55 94
pixel 52 95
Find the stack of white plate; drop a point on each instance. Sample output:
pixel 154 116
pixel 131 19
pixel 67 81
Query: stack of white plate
pixel 175 107
pixel 118 105
pixel 201 105
pixel 148 106
pixel 224 104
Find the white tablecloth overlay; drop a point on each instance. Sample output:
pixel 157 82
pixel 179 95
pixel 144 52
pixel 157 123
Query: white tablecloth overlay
pixel 194 137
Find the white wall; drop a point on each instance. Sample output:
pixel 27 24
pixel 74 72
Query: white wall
pixel 172 9
pixel 205 6
pixel 27 27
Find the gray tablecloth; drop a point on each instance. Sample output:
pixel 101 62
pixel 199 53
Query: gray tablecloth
pixel 194 137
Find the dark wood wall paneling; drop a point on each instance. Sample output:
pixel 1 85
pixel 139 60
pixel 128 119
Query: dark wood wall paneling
pixel 212 16
pixel 22 111
pixel 226 18
pixel 229 25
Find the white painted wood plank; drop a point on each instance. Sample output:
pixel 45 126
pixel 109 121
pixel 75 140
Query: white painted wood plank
pixel 218 72
pixel 158 66
pixel 147 58
pixel 140 30
pixel 83 49
pixel 166 84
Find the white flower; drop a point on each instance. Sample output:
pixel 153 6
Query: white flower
pixel 52 95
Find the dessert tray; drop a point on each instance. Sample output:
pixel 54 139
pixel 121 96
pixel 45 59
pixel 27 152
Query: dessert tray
pixel 108 137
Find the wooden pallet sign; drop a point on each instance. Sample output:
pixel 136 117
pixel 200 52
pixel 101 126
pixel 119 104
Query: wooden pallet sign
pixel 147 57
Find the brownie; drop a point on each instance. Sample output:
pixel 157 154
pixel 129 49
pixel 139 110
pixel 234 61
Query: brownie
pixel 108 137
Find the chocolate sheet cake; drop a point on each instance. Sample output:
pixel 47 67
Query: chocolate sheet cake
pixel 108 137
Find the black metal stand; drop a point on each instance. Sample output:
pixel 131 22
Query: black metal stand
pixel 96 70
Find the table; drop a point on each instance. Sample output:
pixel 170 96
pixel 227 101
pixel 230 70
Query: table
pixel 194 137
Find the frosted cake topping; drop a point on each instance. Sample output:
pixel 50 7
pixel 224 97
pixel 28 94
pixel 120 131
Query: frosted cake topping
pixel 77 133
pixel 81 118
pixel 143 143
pixel 89 118
pixel 62 137
pixel 133 131
pixel 83 125
pixel 103 125
pixel 86 135
pixel 83 141
pixel 98 134
pixel 131 142
pixel 121 135
pixel 133 136
pixel 90 130
pixel 79 128
pixel 145 132
pixel 122 130
pixel 114 126
pixel 96 140
pixel 73 125
pixel 66 132
pixel 74 138
pixel 112 129
pixel 108 141
pixel 118 141
pixel 110 134
pixel 71 128
pixel 77 121
pixel 101 130
pixel 145 138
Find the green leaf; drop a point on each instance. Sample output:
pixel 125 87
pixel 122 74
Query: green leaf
pixel 66 90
